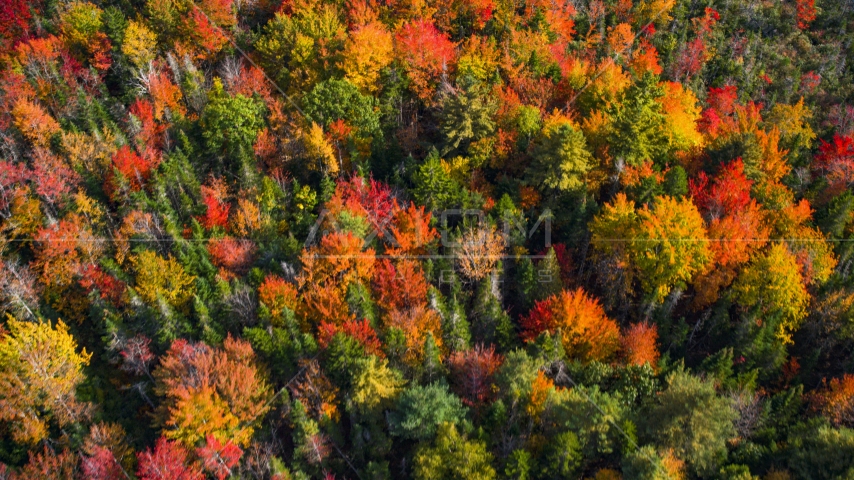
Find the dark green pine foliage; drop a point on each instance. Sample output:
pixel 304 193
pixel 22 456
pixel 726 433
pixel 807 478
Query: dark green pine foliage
pixel 434 188
pixel 230 125
pixel 468 115
pixel 638 132
pixel 421 409
pixel 334 99
pixel 490 323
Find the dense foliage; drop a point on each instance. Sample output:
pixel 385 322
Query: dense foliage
pixel 451 239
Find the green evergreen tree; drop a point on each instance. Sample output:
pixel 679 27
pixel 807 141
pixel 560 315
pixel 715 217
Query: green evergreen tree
pixel 335 99
pixel 676 182
pixel 433 187
pixel 638 131
pixel 526 282
pixel 361 304
pixel 452 456
pixel 490 322
pixel 645 463
pixel 690 418
pixel 230 125
pixel 456 331
pixel 467 116
pixel 560 158
pixel 817 450
pixel 433 368
pixel 420 410
pixel 548 276
pixel 561 457
pixel 518 465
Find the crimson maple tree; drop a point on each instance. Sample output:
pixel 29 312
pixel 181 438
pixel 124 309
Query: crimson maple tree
pixel 217 458
pixel 472 372
pixel 168 460
pixel 426 54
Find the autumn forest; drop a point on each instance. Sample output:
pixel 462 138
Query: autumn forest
pixel 426 239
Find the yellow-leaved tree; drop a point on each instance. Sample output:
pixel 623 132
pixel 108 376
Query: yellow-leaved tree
pixel 140 44
pixel 319 151
pixel 670 245
pixel 375 385
pixel 452 455
pixel 793 121
pixel 161 278
pixel 369 49
pixel 681 112
pixel 40 370
pixel 773 285
pixel 664 245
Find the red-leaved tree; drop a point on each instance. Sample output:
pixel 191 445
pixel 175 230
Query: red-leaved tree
pixel 426 54
pixel 215 198
pixel 15 21
pixel 472 373
pixel 110 288
pixel 102 465
pixel 805 13
pixel 217 458
pixel 134 168
pixel 167 461
pixel 835 163
pixel 360 330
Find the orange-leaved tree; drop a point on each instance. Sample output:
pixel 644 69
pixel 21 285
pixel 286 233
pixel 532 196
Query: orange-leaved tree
pixel 40 370
pixel 586 332
pixel 328 270
pixel 277 294
pixel 416 323
pixel 315 391
pixel 411 231
pixel 736 227
pixel 211 391
pixel 836 400
pixel 62 250
pixel 479 252
pixel 34 122
pixel 367 52
pixel 639 344
pixel 400 284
